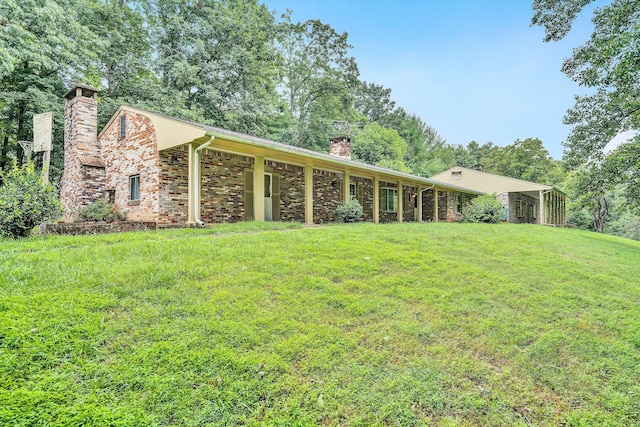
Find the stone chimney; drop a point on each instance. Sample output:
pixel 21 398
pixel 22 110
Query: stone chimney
pixel 83 177
pixel 479 167
pixel 340 147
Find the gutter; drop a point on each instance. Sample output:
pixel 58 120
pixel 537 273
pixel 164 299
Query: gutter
pixel 196 188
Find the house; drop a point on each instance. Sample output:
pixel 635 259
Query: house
pixel 523 201
pixel 170 171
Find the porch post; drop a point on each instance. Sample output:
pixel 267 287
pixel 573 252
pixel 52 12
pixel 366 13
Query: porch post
pixel 308 194
pixel 258 188
pixel 435 204
pixel 376 200
pixel 541 208
pixel 400 201
pixel 191 179
pixel 347 186
pixel 419 217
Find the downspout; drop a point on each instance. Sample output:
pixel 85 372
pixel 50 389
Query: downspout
pixel 196 186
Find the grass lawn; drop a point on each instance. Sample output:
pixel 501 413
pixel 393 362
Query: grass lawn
pixel 400 324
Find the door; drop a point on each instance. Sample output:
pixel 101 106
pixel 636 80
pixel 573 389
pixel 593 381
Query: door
pixel 268 201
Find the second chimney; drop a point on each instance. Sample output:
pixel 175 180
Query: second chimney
pixel 340 147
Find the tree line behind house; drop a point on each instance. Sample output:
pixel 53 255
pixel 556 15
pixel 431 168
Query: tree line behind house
pixel 236 65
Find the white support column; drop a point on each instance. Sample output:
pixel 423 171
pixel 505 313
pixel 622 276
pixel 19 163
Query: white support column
pixel 541 207
pixel 308 194
pixel 258 188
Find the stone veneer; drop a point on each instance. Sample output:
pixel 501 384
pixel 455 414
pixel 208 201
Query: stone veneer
pixel 135 153
pixel 222 190
pixel 327 195
pixel 174 186
pixel 366 196
pixel 84 174
pixel 530 208
pixel 291 189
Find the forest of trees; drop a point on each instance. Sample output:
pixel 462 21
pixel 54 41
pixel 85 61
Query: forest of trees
pixel 236 65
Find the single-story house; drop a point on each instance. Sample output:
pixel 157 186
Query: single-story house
pixel 171 171
pixel 523 201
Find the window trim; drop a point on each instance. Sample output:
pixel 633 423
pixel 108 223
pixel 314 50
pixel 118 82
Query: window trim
pixel 122 129
pixel 394 199
pixel 519 213
pixel 353 190
pixel 134 184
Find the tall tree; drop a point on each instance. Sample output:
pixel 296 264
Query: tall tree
pixel 43 46
pixel 607 63
pixel 319 78
pixel 380 146
pixel 528 160
pixel 215 61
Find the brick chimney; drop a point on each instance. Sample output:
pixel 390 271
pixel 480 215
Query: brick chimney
pixel 340 147
pixel 479 167
pixel 83 177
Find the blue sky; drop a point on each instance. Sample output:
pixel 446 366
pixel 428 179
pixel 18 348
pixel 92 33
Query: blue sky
pixel 472 69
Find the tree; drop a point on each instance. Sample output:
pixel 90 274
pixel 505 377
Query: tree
pixel 527 160
pixel 607 63
pixel 380 146
pixel 319 78
pixel 43 46
pixel 373 101
pixel 215 61
pixel 588 189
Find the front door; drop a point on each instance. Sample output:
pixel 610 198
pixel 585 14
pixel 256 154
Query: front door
pixel 268 202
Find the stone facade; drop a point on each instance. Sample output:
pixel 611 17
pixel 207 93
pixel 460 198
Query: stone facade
pixel 84 174
pixel 410 200
pixel 126 155
pixel 364 195
pixel 528 211
pixel 327 195
pixel 174 186
pixel 222 189
pixel 291 189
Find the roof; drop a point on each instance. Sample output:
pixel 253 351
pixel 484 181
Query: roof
pixel 489 182
pixel 172 132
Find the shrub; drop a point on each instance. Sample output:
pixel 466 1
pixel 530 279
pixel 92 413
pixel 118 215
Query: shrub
pixel 100 210
pixel 25 201
pixel 486 208
pixel 349 211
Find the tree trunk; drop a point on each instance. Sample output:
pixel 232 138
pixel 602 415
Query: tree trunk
pixel 600 213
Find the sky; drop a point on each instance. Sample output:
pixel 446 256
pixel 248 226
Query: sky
pixel 474 70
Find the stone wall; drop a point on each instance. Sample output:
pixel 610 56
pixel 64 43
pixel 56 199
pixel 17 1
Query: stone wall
pixel 222 190
pixel 530 208
pixel 409 199
pixel 365 197
pixel 83 177
pixel 134 154
pixel 291 189
pixel 81 228
pixel 174 186
pixel 384 216
pixel 327 195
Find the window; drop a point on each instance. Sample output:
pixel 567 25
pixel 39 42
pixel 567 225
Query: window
pixel 123 126
pixel 389 199
pixel 519 208
pixel 459 202
pixel 134 187
pixel 352 191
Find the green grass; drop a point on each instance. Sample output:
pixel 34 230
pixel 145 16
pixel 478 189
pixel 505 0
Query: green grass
pixel 401 324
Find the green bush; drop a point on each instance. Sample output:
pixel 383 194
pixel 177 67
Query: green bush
pixel 25 201
pixel 486 208
pixel 100 210
pixel 349 211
